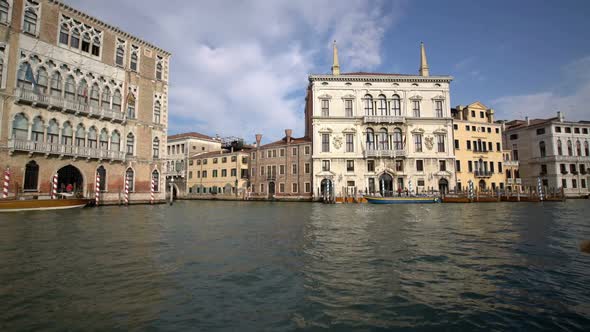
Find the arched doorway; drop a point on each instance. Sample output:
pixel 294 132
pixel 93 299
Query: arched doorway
pixel 325 188
pixel 386 185
pixel 443 186
pixel 271 189
pixel 482 185
pixel 70 175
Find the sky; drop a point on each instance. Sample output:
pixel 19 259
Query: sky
pixel 240 67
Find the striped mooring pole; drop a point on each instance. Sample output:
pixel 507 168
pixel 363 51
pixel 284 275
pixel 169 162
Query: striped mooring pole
pixel 540 189
pixel 97 189
pixel 54 187
pixel 470 189
pixel 6 183
pixel 152 190
pixel 410 187
pixel 126 191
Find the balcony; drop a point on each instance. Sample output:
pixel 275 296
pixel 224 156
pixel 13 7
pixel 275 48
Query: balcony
pixel 28 96
pixel 65 150
pixel 510 163
pixel 271 177
pixel 383 119
pixel 483 174
pixel 175 173
pixel 385 153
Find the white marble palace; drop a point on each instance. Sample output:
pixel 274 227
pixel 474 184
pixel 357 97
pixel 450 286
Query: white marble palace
pixel 380 132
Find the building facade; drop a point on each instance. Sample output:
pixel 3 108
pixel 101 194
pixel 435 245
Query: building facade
pixel 512 171
pixel 380 133
pixel 281 170
pixel 478 148
pixel 554 150
pixel 222 172
pixel 79 97
pixel 179 149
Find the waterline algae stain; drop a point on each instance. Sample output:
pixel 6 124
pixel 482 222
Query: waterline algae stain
pixel 254 266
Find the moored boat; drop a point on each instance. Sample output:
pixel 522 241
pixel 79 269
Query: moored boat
pixel 42 204
pixel 401 200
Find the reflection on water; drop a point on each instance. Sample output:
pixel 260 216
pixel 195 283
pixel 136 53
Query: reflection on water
pixel 267 266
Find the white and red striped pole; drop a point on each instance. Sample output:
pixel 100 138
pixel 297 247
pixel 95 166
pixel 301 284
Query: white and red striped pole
pixel 6 183
pixel 54 187
pixel 126 191
pixel 97 189
pixel 152 190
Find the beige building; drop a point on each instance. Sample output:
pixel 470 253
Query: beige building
pixel 179 149
pixel 282 169
pixel 223 172
pixel 478 147
pixel 512 172
pixel 79 97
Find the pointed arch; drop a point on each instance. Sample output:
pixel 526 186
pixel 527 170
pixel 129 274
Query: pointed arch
pixel 52 132
pixel 38 130
pixel 156 148
pixel 117 100
pixel 157 111
pixel 94 95
pixel 20 127
pixel 116 141
pixel 70 88
pixel 25 76
pixel 156 179
pixel 42 80
pixel 92 141
pixel 130 176
pixel 104 139
pixel 31 182
pixel 56 84
pixel 102 172
pixel 130 144
pixel 106 98
pixel 67 133
pixel 80 135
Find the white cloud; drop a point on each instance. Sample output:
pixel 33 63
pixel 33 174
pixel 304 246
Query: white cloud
pixel 239 68
pixel 570 95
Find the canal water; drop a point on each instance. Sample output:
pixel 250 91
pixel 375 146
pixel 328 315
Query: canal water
pixel 257 266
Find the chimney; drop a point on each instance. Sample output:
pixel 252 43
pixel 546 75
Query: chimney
pixel 258 139
pixel 560 116
pixel 528 121
pixel 288 133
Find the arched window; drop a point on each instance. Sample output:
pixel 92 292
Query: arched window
pixel 92 138
pixel 83 92
pixel 31 176
pixel 75 41
pixel 106 98
pixel 115 141
pixel 542 149
pixel 369 105
pixel 129 178
pixel 131 106
pixel 396 106
pixel 383 139
pixel 133 63
pixel 383 106
pixel 25 76
pixel 586 150
pixel 570 150
pixel 96 46
pixel 42 80
pixel 156 179
pixel 370 139
pixel 4 6
pixel 86 43
pixel 117 101
pixel 56 84
pixel 120 55
pixel 578 148
pixel 70 88
pixel 20 127
pixel 80 136
pixel 102 172
pixel 67 134
pixel 559 148
pixel 38 130
pixel 52 132
pixel 94 96
pixel 30 22
pixel 64 34
pixel 157 111
pixel 397 139
pixel 159 71
pixel 156 148
pixel 104 139
pixel 130 144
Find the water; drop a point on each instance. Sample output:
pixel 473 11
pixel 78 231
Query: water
pixel 244 266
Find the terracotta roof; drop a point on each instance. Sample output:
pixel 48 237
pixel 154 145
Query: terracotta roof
pixel 283 141
pixel 522 123
pixel 191 135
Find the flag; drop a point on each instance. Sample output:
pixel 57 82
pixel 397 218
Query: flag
pixel 29 76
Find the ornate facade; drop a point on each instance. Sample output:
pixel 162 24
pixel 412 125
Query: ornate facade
pixel 80 97
pixel 380 133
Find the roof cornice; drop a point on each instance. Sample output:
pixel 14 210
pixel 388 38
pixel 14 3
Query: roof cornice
pixel 380 78
pixel 108 26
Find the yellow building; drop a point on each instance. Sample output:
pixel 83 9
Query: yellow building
pixel 478 147
pixel 219 173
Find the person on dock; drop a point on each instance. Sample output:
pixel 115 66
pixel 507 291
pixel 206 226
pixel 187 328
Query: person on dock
pixel 399 191
pixel 69 188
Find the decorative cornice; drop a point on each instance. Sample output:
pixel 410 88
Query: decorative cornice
pixel 108 26
pixel 380 78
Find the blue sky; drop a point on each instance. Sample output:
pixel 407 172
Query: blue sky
pixel 239 68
